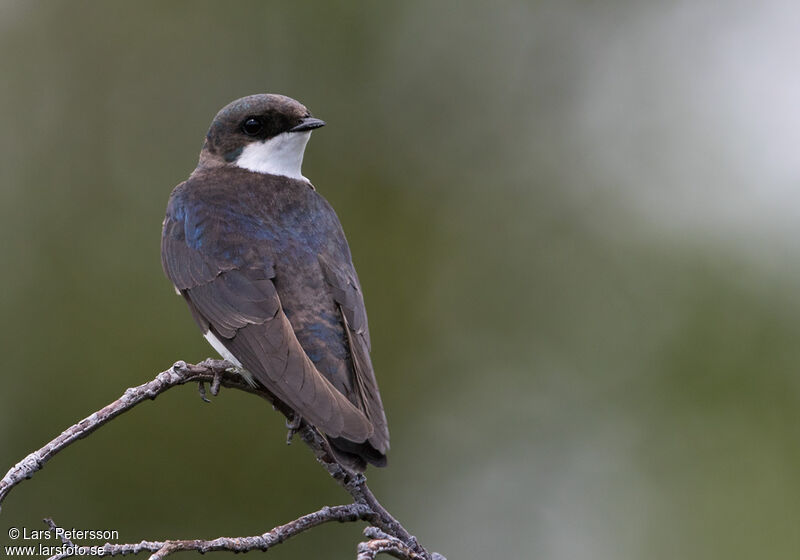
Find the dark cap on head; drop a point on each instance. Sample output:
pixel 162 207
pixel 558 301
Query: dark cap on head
pixel 254 118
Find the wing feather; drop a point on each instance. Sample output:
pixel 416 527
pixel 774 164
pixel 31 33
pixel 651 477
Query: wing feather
pixel 347 293
pixel 242 307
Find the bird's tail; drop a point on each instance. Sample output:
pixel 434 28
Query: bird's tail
pixel 355 456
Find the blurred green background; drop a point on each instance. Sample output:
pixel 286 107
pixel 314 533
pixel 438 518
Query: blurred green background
pixel 575 227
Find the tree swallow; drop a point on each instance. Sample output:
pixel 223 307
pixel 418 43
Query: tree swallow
pixel 260 257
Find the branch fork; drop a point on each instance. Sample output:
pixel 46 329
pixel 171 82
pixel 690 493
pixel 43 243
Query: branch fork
pixel 385 533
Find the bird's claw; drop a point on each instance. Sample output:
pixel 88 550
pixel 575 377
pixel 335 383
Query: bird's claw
pixel 215 384
pixel 201 388
pixel 293 425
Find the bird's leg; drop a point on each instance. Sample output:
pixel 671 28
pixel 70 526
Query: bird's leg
pixel 215 385
pixel 201 388
pixel 293 425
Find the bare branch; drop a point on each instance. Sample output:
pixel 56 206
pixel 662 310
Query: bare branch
pixel 391 537
pixel 162 549
pixel 380 543
pixel 68 544
pixel 178 374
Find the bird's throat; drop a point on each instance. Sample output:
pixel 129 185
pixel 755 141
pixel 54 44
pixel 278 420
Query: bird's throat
pixel 280 155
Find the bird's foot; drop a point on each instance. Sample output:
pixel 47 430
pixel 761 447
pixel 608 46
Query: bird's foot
pixel 293 426
pixel 201 388
pixel 216 383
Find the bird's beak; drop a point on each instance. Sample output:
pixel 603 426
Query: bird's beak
pixel 308 123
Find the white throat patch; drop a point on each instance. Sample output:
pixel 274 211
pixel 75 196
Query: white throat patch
pixel 280 155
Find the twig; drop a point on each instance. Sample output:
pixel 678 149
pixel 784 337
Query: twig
pixel 178 374
pixel 380 542
pixel 68 544
pixel 161 549
pixel 394 539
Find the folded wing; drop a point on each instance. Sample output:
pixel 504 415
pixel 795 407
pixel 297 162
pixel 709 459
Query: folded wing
pixel 231 293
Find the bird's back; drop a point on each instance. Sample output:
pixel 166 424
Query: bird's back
pixel 276 234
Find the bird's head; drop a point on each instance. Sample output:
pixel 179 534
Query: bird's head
pixel 264 133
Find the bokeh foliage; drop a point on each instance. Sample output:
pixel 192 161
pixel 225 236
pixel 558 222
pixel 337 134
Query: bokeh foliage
pixel 580 275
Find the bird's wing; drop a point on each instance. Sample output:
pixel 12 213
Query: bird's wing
pixel 231 292
pixel 346 290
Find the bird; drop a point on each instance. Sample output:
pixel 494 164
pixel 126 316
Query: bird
pixel 262 261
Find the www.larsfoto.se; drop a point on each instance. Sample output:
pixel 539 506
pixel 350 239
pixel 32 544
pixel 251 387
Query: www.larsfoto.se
pixel 47 550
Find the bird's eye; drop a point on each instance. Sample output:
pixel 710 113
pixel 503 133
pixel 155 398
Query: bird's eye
pixel 252 126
